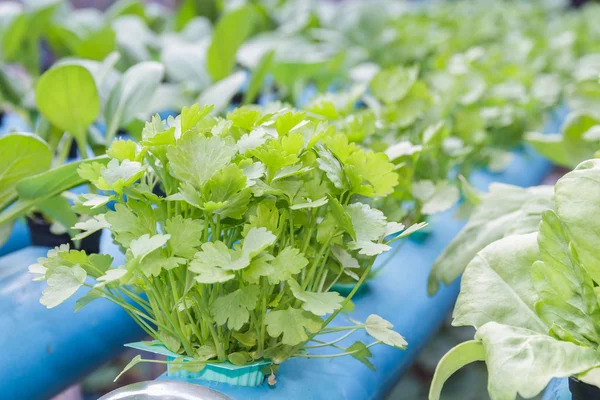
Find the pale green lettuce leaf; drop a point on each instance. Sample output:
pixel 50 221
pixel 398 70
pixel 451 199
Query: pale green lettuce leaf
pixel 567 302
pixel 576 196
pixel 496 286
pixel 522 361
pixel 492 219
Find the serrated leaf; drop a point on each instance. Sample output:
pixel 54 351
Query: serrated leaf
pixel 316 303
pixel 62 284
pixel 293 324
pixel 381 330
pixel 233 308
pixel 195 158
pixel 146 244
pixel 186 235
pixel 90 226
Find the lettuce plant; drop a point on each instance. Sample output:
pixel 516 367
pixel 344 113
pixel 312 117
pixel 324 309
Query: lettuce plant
pixel 257 216
pixel 533 298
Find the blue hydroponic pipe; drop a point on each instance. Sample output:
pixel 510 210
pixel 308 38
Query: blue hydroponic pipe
pixel 45 351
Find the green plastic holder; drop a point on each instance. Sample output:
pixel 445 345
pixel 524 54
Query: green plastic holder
pixel 225 372
pixel 344 288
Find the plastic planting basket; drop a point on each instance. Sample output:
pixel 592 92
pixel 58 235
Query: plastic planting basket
pixel 226 372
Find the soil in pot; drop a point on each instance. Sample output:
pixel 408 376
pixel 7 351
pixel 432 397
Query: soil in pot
pixel 41 235
pixel 582 391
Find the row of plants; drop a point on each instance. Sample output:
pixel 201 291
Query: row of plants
pixel 237 229
pixel 448 114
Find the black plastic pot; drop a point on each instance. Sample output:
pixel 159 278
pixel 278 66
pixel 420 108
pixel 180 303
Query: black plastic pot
pixel 39 230
pixel 583 391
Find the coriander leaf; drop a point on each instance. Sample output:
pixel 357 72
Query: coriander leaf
pixel 346 260
pixel 257 240
pixel 258 267
pixel 94 200
pixel 403 148
pixel 288 263
pixel 122 150
pixel 332 167
pixel 413 228
pixel 341 216
pixel 210 274
pixel 157 261
pixel 145 245
pixel 62 284
pixel 225 183
pixel 393 84
pixel 317 303
pixel 375 169
pixel 113 274
pixel 393 227
pixel 121 175
pixel 368 248
pixel 186 235
pixel 252 140
pixel 362 353
pixel 90 226
pixel 369 223
pixel 127 226
pixel 195 158
pixel 381 330
pixel 310 204
pixel 208 263
pixel 191 116
pixel 293 324
pixel 233 308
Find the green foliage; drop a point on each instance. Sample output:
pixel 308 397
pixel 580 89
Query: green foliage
pixel 230 32
pixel 232 257
pixel 21 156
pixel 67 96
pixel 533 300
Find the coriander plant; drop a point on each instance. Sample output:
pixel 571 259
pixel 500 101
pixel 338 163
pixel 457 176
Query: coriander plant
pixel 234 230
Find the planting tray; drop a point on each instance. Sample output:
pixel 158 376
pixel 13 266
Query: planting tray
pixel 45 351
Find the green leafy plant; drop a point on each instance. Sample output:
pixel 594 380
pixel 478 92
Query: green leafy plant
pixel 577 141
pixel 261 214
pixel 533 300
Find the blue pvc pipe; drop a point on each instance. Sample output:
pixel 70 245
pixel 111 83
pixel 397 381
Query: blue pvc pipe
pixel 398 294
pixel 19 238
pixel 45 351
pixel 558 389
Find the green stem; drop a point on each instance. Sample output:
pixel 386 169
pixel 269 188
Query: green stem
pixel 324 344
pixel 347 353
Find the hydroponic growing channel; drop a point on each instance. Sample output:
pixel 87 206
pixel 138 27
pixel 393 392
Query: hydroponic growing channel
pixel 278 199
